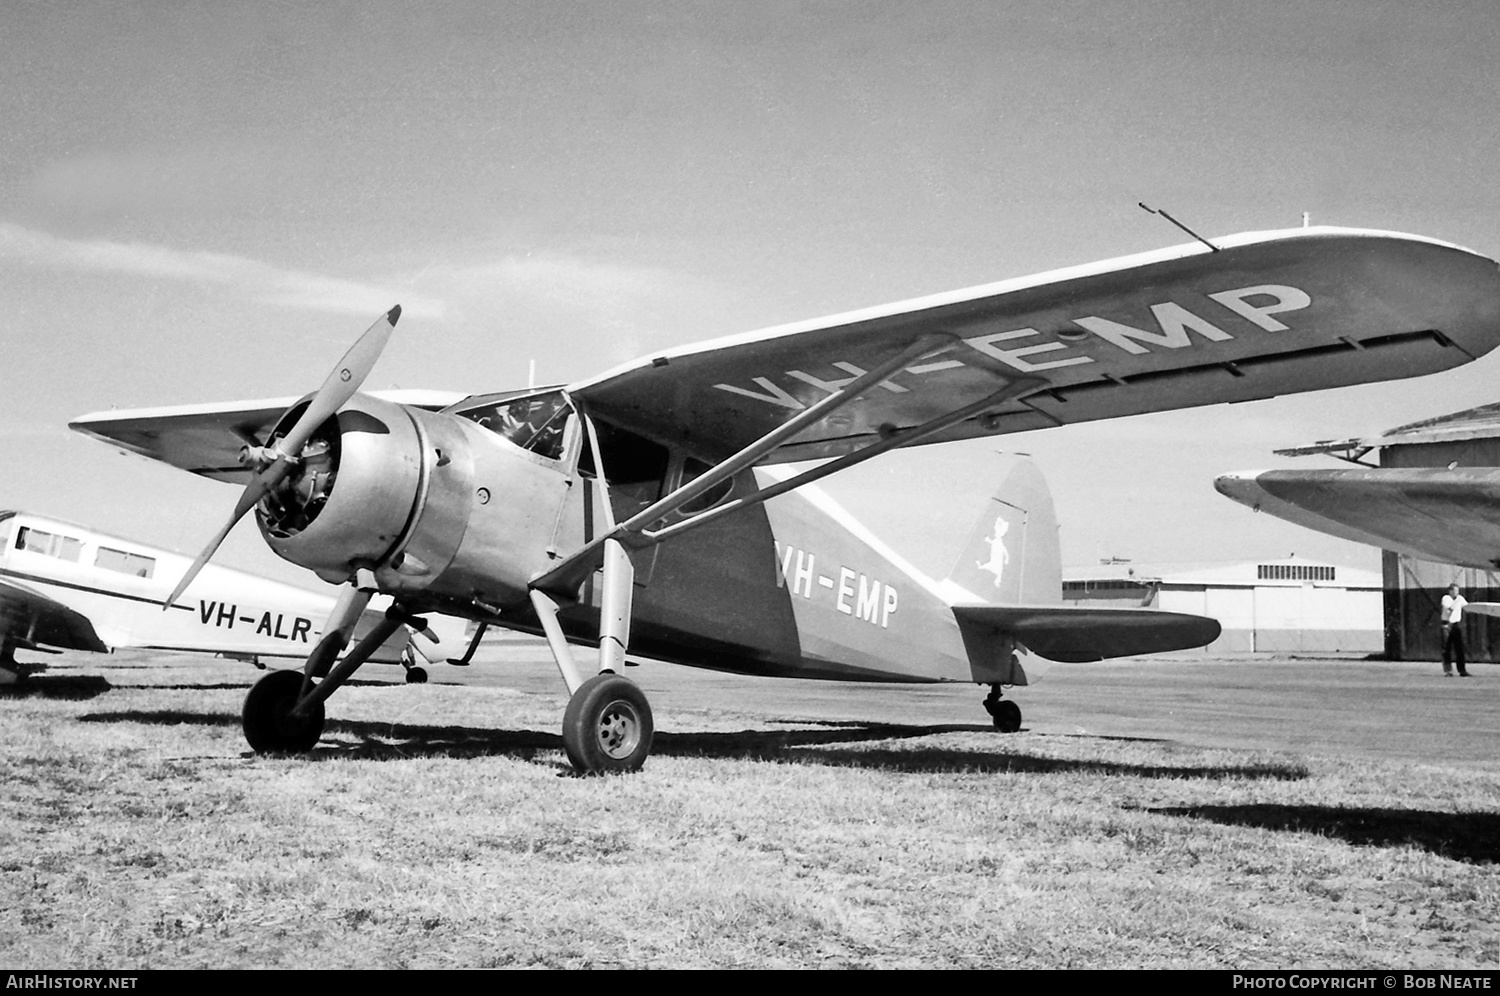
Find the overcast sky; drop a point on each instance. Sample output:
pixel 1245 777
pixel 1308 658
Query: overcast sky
pixel 205 202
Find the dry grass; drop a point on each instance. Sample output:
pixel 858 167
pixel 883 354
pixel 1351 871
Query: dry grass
pixel 437 826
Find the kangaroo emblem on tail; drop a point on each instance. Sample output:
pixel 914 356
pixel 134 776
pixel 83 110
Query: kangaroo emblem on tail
pixel 999 556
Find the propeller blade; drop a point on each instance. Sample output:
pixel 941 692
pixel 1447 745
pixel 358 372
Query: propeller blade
pixel 342 382
pixel 257 489
pixel 345 379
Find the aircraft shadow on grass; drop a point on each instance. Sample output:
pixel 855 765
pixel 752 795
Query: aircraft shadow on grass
pixel 831 744
pixel 68 686
pixel 88 686
pixel 1470 837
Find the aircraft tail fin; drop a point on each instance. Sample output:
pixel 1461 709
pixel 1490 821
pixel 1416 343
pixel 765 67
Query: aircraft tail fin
pixel 1007 594
pixel 1012 556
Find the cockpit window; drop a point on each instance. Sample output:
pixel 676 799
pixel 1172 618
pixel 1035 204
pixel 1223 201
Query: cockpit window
pixel 534 423
pixel 48 544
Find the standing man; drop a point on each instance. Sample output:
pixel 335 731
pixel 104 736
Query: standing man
pixel 1453 631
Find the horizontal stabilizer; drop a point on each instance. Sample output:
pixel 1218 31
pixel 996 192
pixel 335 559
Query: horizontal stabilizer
pixel 1445 516
pixel 1064 633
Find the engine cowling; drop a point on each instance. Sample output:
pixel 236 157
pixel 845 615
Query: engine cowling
pixel 379 486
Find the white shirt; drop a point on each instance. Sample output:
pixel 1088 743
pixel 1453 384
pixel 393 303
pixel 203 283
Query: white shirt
pixel 1453 608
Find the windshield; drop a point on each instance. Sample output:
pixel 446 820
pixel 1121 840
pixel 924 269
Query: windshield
pixel 533 423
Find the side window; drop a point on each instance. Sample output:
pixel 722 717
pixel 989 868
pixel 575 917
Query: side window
pixel 48 544
pixel 693 469
pixel 126 563
pixel 634 466
pixel 34 540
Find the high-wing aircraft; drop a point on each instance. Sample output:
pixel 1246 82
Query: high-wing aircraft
pixel 68 587
pixel 642 511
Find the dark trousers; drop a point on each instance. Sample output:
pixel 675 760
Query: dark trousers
pixel 1453 648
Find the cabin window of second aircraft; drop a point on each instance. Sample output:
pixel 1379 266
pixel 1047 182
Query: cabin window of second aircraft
pixel 126 563
pixel 48 544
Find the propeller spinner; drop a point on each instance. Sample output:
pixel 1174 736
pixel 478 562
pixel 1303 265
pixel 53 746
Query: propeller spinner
pixel 274 462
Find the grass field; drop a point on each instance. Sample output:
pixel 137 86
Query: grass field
pixel 1162 813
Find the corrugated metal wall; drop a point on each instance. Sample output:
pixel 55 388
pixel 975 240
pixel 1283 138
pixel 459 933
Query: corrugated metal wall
pixel 1414 588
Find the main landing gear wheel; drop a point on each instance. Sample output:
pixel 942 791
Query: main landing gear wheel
pixel 1005 713
pixel 607 726
pixel 269 724
pixel 416 675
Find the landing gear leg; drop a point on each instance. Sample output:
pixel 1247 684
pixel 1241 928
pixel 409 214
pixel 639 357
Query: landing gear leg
pixel 1005 713
pixel 415 673
pixel 284 710
pixel 607 726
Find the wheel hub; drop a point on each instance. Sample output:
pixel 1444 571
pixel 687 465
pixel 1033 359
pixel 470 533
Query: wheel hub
pixel 619 729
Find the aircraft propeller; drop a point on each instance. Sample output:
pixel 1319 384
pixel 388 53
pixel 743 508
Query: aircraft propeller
pixel 274 462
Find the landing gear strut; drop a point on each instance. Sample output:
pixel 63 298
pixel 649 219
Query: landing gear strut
pixel 607 727
pixel 284 710
pixel 1005 713
pixel 415 673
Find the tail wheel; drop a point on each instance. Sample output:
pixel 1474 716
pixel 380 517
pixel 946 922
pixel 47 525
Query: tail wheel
pixel 269 724
pixel 607 726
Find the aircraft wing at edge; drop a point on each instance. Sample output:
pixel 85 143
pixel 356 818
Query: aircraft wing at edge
pixel 1265 314
pixel 1437 514
pixel 206 439
pixel 29 618
pixel 1077 634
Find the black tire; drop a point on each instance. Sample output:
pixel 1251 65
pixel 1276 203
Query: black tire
pixel 416 676
pixel 269 725
pixel 1007 716
pixel 607 726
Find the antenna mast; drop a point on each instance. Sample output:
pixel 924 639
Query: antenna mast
pixel 1179 224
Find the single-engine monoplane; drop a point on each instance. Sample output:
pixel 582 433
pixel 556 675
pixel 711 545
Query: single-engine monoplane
pixel 649 511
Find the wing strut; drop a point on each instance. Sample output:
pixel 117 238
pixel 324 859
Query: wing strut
pixel 565 578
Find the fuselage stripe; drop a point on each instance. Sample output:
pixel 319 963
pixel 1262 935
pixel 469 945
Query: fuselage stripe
pixel 7 572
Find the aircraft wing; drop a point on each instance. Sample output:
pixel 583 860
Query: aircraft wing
pixel 1267 314
pixel 1076 634
pixel 206 439
pixel 1446 516
pixel 28 618
pixel 1260 315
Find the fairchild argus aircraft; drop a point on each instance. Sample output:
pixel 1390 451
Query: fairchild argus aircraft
pixel 68 587
pixel 642 510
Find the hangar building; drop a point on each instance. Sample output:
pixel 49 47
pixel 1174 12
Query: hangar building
pixel 1414 588
pixel 1294 604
